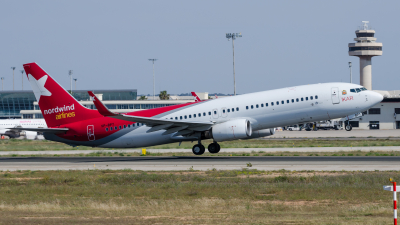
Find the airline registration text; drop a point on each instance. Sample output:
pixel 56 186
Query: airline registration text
pixel 347 98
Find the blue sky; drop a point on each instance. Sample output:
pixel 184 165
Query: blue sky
pixel 107 43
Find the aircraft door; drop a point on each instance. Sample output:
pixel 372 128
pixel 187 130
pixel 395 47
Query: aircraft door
pixel 90 132
pixel 335 95
pixel 215 113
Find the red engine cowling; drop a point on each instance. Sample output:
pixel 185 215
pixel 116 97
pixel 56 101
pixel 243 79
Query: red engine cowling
pixel 232 130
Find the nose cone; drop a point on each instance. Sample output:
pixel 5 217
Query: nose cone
pixel 375 97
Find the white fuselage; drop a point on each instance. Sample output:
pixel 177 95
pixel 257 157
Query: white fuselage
pixel 302 104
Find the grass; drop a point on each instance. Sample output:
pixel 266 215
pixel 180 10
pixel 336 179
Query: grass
pixel 192 197
pixel 43 145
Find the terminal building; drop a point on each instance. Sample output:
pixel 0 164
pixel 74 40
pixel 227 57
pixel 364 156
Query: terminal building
pixel 23 104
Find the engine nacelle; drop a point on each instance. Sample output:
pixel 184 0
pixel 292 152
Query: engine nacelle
pixel 31 135
pixel 232 130
pixel 262 133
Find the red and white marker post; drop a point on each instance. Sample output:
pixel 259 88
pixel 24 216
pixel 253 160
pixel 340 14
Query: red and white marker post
pixel 394 189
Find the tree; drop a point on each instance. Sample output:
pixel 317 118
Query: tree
pixel 143 97
pixel 163 95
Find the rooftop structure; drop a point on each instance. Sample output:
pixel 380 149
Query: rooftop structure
pixel 365 48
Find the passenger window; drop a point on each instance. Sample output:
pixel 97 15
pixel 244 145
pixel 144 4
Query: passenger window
pixel 277 102
pixel 287 101
pixel 262 104
pixel 106 129
pixel 185 117
pixel 306 98
pixel 316 97
pixel 247 107
pixel 272 104
pixel 124 126
pixel 116 128
pixel 215 112
pixel 237 108
pixel 297 100
pixel 266 104
pixel 111 128
pixel 181 117
pixel 190 116
pixel 120 127
pixel 283 102
pixel 223 111
pixel 204 114
pixel 129 126
pixel 176 118
pixel 209 113
pixel 199 114
pixel 257 106
pixel 302 99
pixel 229 110
pixel 311 98
pixel 194 115
pixel 252 107
pixel 292 100
pixel 233 109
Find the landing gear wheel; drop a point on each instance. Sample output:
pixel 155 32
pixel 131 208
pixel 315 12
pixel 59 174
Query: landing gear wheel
pixel 348 127
pixel 198 149
pixel 214 148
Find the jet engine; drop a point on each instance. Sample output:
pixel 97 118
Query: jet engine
pixel 262 133
pixel 232 130
pixel 31 135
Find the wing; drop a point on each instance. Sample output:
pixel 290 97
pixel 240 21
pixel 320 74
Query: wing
pixel 157 124
pixel 47 130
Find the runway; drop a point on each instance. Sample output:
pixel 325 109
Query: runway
pixel 317 163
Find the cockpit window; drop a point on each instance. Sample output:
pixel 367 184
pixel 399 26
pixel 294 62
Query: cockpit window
pixel 356 90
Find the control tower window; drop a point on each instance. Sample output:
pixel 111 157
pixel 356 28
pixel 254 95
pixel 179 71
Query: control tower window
pixel 365 34
pixel 372 48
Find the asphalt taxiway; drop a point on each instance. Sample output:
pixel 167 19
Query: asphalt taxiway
pixel 146 163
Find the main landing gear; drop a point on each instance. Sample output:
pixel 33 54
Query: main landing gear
pixel 199 149
pixel 348 126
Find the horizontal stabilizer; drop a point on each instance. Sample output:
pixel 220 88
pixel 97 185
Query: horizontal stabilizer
pixel 44 130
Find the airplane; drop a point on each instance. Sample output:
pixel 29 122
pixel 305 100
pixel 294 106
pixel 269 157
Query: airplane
pixel 243 116
pixel 21 123
pixel 196 97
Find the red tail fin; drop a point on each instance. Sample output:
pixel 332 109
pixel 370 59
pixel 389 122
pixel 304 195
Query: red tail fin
pixel 196 98
pixel 57 105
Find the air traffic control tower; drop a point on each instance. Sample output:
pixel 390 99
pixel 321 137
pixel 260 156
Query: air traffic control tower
pixel 365 48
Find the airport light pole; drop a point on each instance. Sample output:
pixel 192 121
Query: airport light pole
pixel 70 77
pixel 22 73
pixel 233 36
pixel 2 83
pixel 351 79
pixel 13 68
pixel 154 86
pixel 75 79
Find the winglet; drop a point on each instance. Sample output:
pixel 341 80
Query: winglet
pixel 100 106
pixel 196 98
